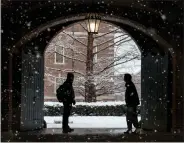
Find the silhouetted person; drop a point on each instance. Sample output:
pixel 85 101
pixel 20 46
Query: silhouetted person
pixel 132 101
pixel 68 100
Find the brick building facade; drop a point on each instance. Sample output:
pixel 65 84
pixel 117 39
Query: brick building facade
pixel 67 53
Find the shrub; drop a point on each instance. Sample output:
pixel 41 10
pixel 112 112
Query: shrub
pixel 86 110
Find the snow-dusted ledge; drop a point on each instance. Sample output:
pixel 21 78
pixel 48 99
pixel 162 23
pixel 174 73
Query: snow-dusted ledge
pixel 109 103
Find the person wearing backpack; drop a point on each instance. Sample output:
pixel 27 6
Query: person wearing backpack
pixel 66 95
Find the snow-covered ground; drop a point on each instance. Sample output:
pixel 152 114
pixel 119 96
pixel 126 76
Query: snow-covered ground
pixel 88 121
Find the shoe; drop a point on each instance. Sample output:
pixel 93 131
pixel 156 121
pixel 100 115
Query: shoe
pixel 65 131
pixel 128 132
pixel 70 130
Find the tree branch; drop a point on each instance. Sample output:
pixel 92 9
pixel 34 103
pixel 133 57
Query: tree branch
pixel 115 59
pixel 107 91
pixel 111 64
pixel 73 48
pixel 83 27
pixel 112 45
pixel 110 40
pixel 75 39
pixel 68 57
pixel 106 33
pixel 66 70
pixel 80 92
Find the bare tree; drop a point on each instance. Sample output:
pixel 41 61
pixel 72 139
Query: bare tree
pixel 98 56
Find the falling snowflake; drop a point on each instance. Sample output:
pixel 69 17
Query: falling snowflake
pixel 163 17
pixel 38 55
pixel 36 47
pixel 36 72
pixel 48 29
pixel 28 24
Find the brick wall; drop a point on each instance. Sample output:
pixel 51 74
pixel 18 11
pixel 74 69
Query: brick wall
pixel 53 70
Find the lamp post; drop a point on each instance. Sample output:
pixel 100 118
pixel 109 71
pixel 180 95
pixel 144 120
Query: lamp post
pixel 92 23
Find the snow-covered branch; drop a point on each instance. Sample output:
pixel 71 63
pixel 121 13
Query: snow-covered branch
pixel 121 41
pixel 112 64
pixel 75 39
pixel 106 33
pixel 68 57
pixel 73 48
pixel 112 39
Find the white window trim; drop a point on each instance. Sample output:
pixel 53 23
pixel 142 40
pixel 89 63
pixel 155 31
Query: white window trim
pixel 59 63
pixel 55 85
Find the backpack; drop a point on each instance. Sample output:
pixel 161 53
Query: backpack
pixel 60 92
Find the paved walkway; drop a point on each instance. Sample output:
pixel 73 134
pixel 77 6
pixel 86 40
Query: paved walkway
pixel 87 135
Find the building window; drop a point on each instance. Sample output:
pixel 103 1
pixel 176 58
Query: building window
pixel 58 81
pixel 59 55
pixel 95 58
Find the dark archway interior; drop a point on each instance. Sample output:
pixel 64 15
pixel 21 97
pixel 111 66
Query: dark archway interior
pixel 20 18
pixel 35 14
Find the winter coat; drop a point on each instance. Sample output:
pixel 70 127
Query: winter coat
pixel 131 95
pixel 69 96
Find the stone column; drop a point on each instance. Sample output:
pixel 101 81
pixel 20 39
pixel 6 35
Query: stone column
pixel 177 106
pixel 16 91
pixel 154 88
pixel 183 89
pixel 6 113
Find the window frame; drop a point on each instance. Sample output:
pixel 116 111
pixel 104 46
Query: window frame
pixel 55 55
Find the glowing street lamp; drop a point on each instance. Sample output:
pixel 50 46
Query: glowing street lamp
pixel 93 23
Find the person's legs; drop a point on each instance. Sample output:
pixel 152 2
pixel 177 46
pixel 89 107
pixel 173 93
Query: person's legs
pixel 134 118
pixel 65 117
pixel 135 121
pixel 68 115
pixel 129 119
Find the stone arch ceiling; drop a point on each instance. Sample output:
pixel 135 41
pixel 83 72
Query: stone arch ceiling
pixel 44 38
pixel 17 15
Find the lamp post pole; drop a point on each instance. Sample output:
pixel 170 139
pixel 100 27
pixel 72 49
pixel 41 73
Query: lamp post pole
pixel 92 23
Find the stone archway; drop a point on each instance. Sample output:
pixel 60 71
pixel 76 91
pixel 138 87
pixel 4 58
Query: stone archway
pixel 147 116
pixel 162 43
